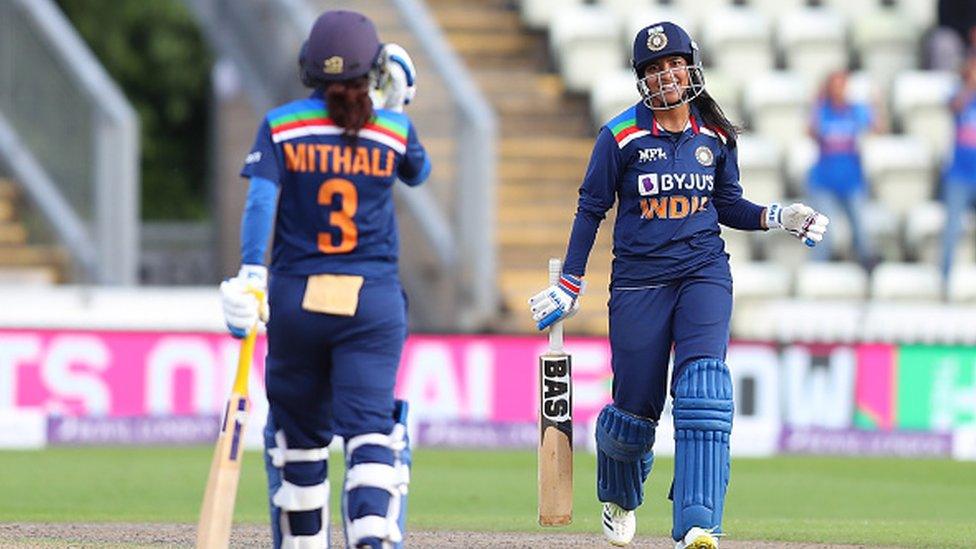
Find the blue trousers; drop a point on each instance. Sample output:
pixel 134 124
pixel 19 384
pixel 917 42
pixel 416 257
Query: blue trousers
pixel 853 204
pixel 331 374
pixel 958 197
pixel 691 314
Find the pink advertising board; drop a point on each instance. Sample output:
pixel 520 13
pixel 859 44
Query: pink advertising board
pixel 468 378
pixel 120 374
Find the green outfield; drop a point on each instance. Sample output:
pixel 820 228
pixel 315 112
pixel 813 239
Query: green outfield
pixel 862 501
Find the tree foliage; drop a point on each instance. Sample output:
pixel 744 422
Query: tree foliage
pixel 155 51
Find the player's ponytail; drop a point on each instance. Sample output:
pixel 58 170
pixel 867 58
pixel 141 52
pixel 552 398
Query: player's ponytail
pixel 713 117
pixel 349 104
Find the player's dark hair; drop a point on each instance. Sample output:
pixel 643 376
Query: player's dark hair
pixel 713 117
pixel 349 104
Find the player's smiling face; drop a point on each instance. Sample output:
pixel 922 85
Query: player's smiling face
pixel 667 79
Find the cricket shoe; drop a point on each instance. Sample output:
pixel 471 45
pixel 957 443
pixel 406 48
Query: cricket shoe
pixel 698 538
pixel 619 524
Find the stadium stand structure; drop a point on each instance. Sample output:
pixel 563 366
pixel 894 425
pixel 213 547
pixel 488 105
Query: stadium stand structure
pixel 22 261
pixel 545 137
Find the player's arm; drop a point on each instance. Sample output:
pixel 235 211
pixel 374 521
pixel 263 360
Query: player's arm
pixel 415 166
pixel 738 213
pixel 241 307
pixel 596 195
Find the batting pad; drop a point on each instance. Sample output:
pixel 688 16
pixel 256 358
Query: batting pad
pixel 624 457
pixel 702 425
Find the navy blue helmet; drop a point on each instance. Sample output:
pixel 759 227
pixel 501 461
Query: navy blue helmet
pixel 665 39
pixel 341 45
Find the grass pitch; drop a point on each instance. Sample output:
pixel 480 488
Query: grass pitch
pixel 908 503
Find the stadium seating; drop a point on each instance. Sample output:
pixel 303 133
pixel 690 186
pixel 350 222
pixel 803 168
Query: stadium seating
pixel 838 281
pixel 583 40
pixel 612 93
pixel 537 14
pixel 777 104
pixel 962 283
pixel 887 42
pixel 900 169
pixel 920 105
pixel 906 281
pixel 736 40
pixel 813 42
pixel 760 169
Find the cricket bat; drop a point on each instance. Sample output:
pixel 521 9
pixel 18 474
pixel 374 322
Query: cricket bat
pixel 555 426
pixel 217 511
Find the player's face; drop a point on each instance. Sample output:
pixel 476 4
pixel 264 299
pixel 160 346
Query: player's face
pixel 667 79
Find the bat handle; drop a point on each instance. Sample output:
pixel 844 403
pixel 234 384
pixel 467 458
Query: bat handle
pixel 556 329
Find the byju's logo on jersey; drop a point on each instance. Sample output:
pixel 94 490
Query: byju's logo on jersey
pixel 647 184
pixel 650 155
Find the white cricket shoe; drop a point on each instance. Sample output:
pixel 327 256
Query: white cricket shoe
pixel 698 538
pixel 619 524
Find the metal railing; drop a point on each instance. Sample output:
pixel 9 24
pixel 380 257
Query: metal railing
pixel 453 214
pixel 69 136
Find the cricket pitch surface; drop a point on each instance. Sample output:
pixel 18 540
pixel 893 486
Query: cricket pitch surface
pixel 118 535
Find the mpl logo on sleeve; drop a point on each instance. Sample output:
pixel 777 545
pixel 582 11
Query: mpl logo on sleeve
pixel 647 184
pixel 556 404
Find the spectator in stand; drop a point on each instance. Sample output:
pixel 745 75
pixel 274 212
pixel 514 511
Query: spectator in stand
pixel 959 181
pixel 946 44
pixel 837 181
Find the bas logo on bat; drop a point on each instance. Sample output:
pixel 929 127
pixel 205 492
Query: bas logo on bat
pixel 555 406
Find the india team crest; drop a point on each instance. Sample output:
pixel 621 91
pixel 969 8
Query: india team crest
pixel 656 39
pixel 332 65
pixel 704 156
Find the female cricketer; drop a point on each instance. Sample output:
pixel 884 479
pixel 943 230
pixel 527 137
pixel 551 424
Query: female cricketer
pixel 670 163
pixel 321 173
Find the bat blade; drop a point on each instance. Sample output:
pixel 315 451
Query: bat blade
pixel 217 511
pixel 555 439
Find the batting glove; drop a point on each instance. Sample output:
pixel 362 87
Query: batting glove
pixel 239 296
pixel 557 302
pixel 800 220
pixel 395 81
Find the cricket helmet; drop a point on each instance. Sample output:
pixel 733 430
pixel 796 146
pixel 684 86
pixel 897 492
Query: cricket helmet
pixel 341 45
pixel 665 39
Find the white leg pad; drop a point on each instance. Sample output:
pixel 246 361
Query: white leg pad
pixel 291 497
pixel 391 478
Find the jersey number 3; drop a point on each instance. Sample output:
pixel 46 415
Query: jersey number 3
pixel 341 218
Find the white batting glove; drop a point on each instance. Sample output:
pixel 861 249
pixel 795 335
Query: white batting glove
pixel 395 81
pixel 557 302
pixel 800 220
pixel 242 310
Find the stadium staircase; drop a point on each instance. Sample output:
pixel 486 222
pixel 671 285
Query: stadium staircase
pixel 22 262
pixel 544 144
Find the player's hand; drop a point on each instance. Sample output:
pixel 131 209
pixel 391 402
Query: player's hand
pixel 395 80
pixel 557 302
pixel 239 295
pixel 800 220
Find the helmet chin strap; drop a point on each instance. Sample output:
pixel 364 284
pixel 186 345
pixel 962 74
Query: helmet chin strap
pixel 696 85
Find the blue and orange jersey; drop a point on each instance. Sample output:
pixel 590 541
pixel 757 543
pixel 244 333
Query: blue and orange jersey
pixel 838 129
pixel 963 165
pixel 671 189
pixel 335 209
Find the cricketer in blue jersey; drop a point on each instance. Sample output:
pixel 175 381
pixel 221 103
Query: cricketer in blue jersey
pixel 669 163
pixel 836 180
pixel 321 172
pixel 959 180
